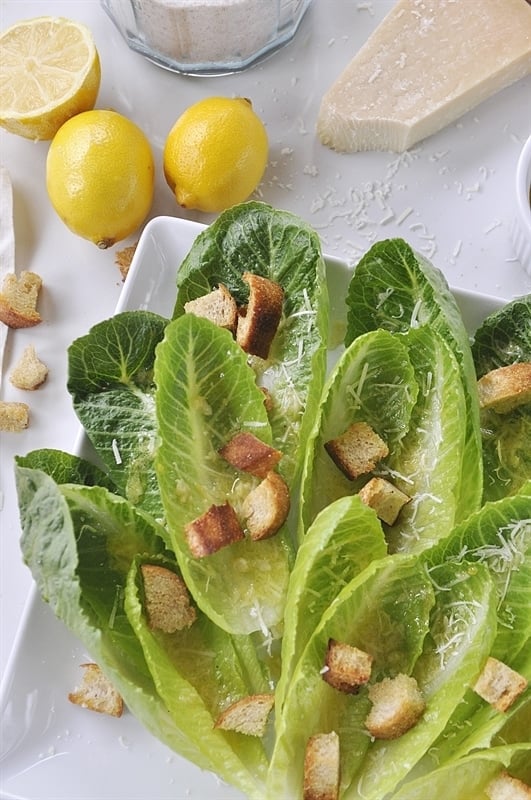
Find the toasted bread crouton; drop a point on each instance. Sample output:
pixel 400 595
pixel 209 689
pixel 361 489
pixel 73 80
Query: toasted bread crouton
pixel 168 606
pixel 18 300
pixel 216 528
pixel 268 399
pixel 506 388
pixel 384 498
pixel 259 319
pixel 14 417
pixel 219 306
pixel 266 507
pixel 248 453
pixel 505 787
pixel 357 450
pixel 248 715
pixel 499 685
pixel 397 705
pixel 97 693
pixel 322 767
pixel 346 667
pixel 30 372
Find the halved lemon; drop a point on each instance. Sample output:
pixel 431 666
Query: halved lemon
pixel 49 71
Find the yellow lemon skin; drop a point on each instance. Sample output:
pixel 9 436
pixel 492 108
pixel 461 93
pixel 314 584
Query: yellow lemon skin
pixel 100 176
pixel 49 71
pixel 216 154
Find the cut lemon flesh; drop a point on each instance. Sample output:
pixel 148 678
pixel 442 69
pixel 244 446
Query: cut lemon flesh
pixel 49 71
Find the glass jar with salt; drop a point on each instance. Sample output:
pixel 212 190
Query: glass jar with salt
pixel 206 37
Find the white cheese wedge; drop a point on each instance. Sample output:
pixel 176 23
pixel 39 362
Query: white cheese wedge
pixel 426 64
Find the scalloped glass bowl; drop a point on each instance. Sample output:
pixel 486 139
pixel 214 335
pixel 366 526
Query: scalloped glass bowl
pixel 206 37
pixel 521 227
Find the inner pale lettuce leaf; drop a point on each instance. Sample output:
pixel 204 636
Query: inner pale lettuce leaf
pixel 207 393
pixel 279 246
pixel 373 381
pixel 499 537
pixel 385 611
pixel 427 466
pixel 110 378
pixel 462 628
pixel 468 778
pixel 197 673
pixel 504 338
pixel 80 544
pixel 395 288
pixel 344 538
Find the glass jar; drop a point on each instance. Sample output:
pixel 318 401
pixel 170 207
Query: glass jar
pixel 206 37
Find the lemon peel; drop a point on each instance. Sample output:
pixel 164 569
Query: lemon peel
pixel 49 71
pixel 215 154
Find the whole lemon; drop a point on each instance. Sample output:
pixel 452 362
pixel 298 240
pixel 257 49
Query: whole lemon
pixel 100 176
pixel 215 154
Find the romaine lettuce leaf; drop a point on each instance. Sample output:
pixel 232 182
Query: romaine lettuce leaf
pixel 344 538
pixel 195 670
pixel 277 245
pixel 374 382
pixel 395 288
pixel 427 466
pixel 64 557
pixel 66 468
pixel 461 631
pixel 468 777
pixel 384 611
pixel 503 339
pixel 110 378
pixel 206 393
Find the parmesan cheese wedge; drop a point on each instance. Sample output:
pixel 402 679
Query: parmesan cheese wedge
pixel 426 64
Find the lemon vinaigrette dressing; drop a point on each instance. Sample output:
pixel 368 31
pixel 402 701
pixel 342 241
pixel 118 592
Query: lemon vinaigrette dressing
pixel 206 36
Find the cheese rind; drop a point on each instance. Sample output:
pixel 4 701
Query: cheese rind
pixel 425 65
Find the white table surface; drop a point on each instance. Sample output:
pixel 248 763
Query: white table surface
pixel 451 197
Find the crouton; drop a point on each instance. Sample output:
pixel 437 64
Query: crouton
pixel 357 450
pixel 346 667
pixel 30 372
pixel 14 417
pixel 266 507
pixel 505 388
pixel 219 306
pixel 216 528
pixel 506 787
pixel 397 706
pixel 499 685
pixel 322 767
pixel 259 320
pixel 384 498
pixel 248 453
pixel 97 693
pixel 248 715
pixel 18 300
pixel 168 605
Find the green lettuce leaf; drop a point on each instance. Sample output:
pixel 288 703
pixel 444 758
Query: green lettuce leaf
pixel 469 777
pixel 504 338
pixel 427 466
pixel 206 393
pixel 110 378
pixel 196 671
pixel 80 544
pixel 384 611
pixel 461 631
pixel 344 538
pixel 396 289
pixel 373 381
pixel 283 248
pixel 66 468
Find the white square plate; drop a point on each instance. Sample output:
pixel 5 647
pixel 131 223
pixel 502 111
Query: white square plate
pixel 53 750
